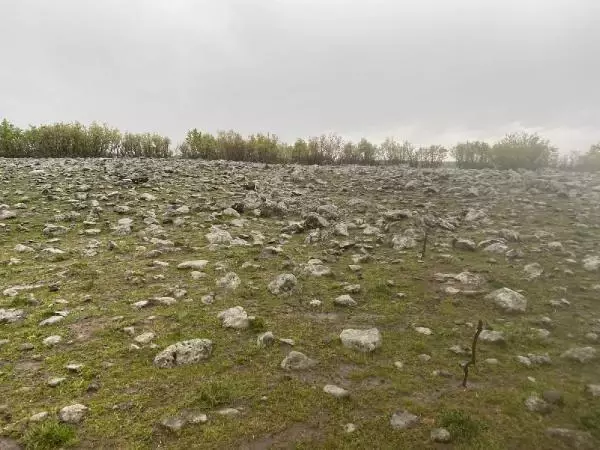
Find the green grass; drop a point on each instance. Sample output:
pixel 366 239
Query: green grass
pixel 49 435
pixel 276 405
pixel 460 425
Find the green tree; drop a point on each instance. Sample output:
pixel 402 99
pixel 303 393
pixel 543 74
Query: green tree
pixel 523 151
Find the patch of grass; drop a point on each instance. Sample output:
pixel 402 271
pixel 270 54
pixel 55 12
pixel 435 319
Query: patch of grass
pixel 215 394
pixel 258 324
pixel 460 425
pixel 591 422
pixel 49 435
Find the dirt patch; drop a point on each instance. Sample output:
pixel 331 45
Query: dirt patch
pixel 85 329
pixel 287 439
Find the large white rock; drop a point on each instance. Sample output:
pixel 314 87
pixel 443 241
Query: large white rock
pixel 591 263
pixel 361 340
pixel 183 353
pixel 234 317
pixel 230 281
pixel 508 300
pixel 11 315
pixel 73 413
pixel 283 284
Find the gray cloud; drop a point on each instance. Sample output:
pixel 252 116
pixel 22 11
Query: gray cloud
pixel 432 71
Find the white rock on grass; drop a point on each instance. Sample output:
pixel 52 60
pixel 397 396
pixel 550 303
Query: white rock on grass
pixel 144 338
pixel 424 330
pixel 184 353
pixel 344 300
pixel 508 300
pixel 361 340
pixel 73 413
pixel 265 339
pixel 235 318
pixel 580 354
pixel 11 315
pixel 283 284
pixel 51 341
pixel 402 420
pixel 297 361
pixel 494 337
pixel 441 435
pixel 231 281
pixel 335 391
pixel 591 263
pixel 38 417
pixel 198 264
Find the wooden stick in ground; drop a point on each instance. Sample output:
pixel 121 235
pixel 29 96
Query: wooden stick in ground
pixel 473 353
pixel 425 242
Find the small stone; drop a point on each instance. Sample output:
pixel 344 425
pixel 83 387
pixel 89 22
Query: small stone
pixel 349 428
pixel 399 364
pixel 424 330
pixel 173 424
pixel 423 357
pixel 335 391
pixel 55 381
pixel 74 367
pixel 441 435
pixel 536 404
pixel 491 361
pixel 524 360
pixel 51 320
pixel 198 264
pixel 144 338
pixel 38 417
pixel 493 337
pixel 361 340
pixel 315 303
pixel 73 413
pixel 402 420
pixel 297 361
pixel 228 412
pixel 265 339
pixel 231 281
pixel 593 390
pixel 344 300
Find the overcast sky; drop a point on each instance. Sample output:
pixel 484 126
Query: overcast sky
pixel 430 71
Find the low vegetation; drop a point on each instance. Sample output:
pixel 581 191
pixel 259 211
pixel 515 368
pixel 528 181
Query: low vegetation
pixel 73 140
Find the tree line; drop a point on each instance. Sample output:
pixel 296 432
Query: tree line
pixel 74 140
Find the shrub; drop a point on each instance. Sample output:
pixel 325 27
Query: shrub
pixel 473 155
pixel 49 435
pixel 460 425
pixel 523 151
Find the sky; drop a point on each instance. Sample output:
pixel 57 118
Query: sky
pixel 429 71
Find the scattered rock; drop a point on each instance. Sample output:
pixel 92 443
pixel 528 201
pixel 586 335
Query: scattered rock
pixel 73 413
pixel 402 420
pixel 361 340
pixel 183 353
pixel 508 300
pixel 297 361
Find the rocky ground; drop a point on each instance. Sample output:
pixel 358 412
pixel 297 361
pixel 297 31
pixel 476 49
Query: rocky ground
pixel 185 304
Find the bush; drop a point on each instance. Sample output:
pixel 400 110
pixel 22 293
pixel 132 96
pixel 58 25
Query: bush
pixel 49 435
pixel 460 425
pixel 523 151
pixel 432 156
pixel 73 140
pixel 473 155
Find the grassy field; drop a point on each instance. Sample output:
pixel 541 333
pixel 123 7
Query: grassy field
pixel 102 273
